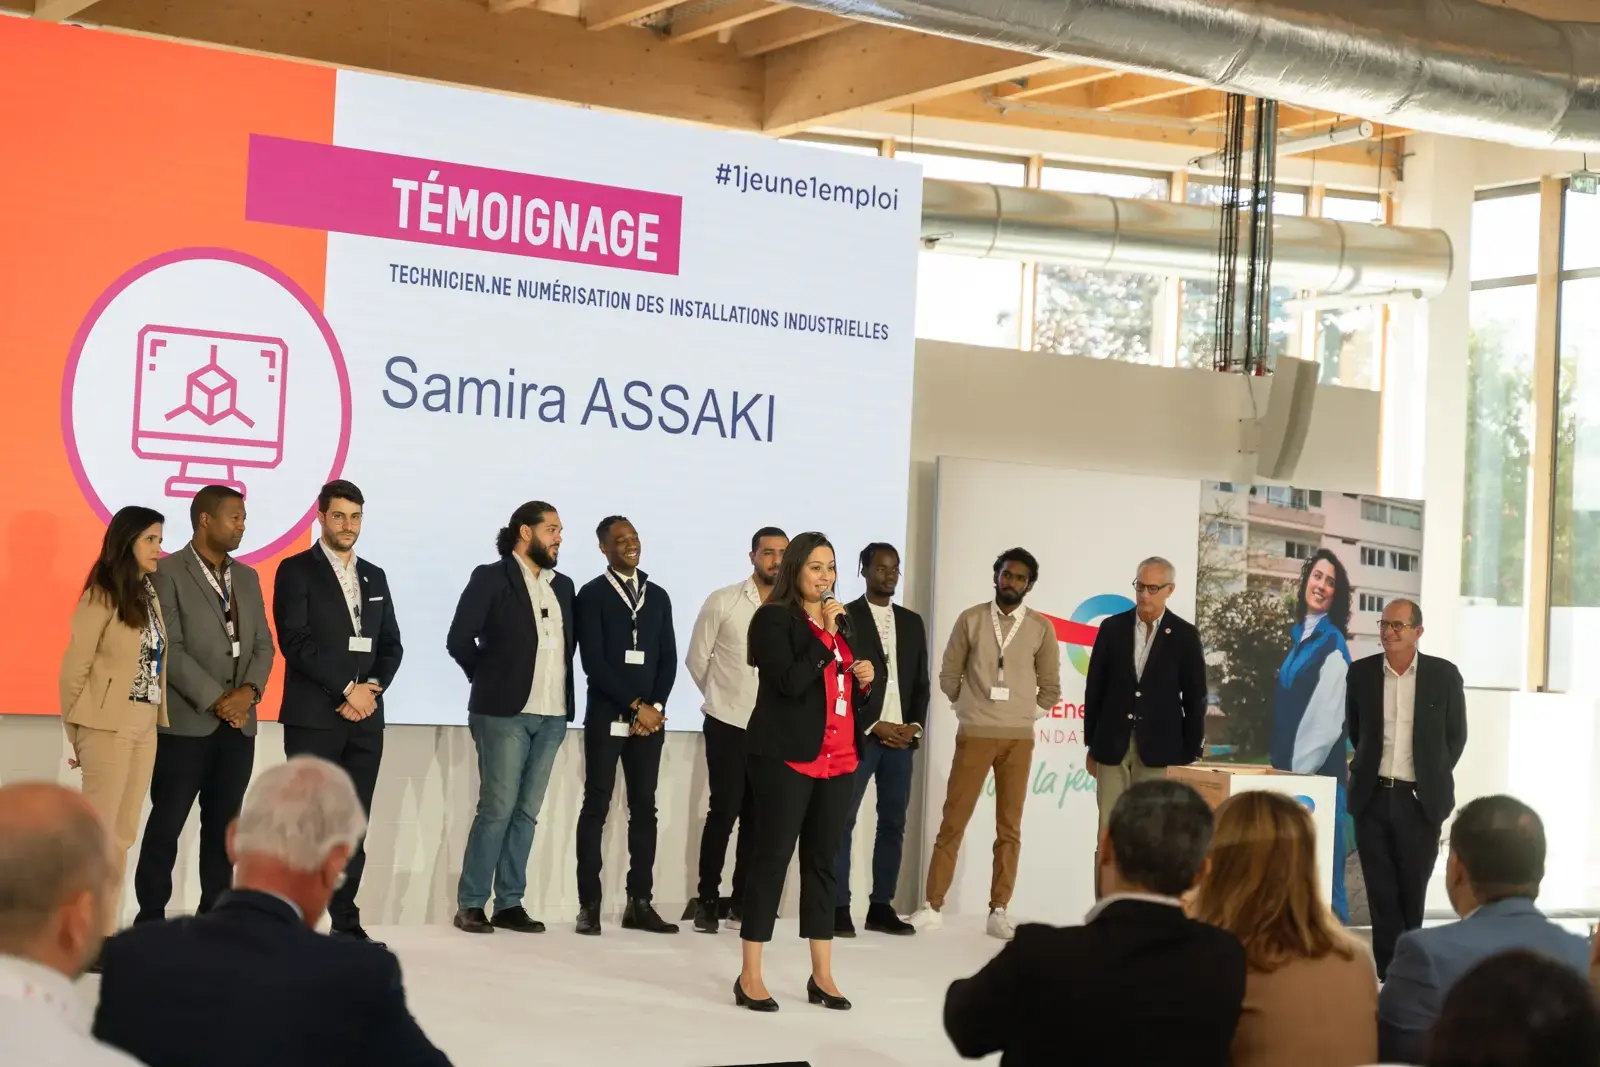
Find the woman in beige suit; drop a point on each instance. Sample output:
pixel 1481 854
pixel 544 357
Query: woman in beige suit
pixel 1311 993
pixel 114 679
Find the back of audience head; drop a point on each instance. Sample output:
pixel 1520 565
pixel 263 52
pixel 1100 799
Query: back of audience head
pixel 1156 840
pixel 1497 851
pixel 56 874
pixel 298 826
pixel 1517 1009
pixel 1261 885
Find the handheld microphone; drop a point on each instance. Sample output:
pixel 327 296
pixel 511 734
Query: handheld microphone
pixel 844 617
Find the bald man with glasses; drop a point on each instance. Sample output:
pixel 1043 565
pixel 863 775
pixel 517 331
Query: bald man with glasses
pixel 1407 717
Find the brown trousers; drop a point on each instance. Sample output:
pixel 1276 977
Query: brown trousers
pixel 1011 759
pixel 117 765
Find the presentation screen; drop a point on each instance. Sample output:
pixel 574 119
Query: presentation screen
pixel 458 300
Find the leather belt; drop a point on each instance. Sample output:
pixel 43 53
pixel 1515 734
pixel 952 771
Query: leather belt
pixel 1395 783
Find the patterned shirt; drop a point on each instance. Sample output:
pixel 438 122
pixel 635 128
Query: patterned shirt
pixel 152 647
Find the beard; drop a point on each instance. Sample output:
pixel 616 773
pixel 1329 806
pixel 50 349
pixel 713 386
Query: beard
pixel 542 556
pixel 768 580
pixel 1008 596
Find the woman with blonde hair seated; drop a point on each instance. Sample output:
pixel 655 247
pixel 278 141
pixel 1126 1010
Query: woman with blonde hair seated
pixel 1311 994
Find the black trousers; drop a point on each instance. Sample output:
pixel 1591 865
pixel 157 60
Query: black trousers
pixel 216 770
pixel 358 748
pixel 641 767
pixel 731 801
pixel 791 807
pixel 1399 845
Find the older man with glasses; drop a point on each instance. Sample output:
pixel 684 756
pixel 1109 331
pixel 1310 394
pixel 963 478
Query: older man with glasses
pixel 1407 717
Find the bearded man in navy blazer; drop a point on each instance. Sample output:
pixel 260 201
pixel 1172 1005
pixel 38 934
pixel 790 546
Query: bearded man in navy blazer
pixel 341 649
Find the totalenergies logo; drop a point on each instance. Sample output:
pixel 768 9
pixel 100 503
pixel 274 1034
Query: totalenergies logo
pixel 1079 631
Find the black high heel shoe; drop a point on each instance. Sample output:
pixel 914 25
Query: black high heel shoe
pixel 815 994
pixel 744 1000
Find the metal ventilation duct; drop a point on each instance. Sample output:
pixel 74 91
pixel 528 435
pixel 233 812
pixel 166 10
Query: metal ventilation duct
pixel 1157 237
pixel 1457 67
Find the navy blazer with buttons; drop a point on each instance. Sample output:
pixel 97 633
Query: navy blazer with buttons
pixel 1164 709
pixel 494 637
pixel 605 635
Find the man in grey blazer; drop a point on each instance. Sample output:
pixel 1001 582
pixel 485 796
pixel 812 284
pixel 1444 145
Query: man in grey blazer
pixel 1496 863
pixel 220 653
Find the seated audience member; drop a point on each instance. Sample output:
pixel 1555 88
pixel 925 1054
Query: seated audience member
pixel 251 983
pixel 1496 862
pixel 1139 983
pixel 1311 993
pixel 56 873
pixel 1517 1009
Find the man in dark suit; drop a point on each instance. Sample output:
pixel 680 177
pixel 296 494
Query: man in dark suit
pixel 252 984
pixel 630 658
pixel 1407 717
pixel 341 649
pixel 888 728
pixel 1140 982
pixel 220 650
pixel 1144 703
pixel 514 636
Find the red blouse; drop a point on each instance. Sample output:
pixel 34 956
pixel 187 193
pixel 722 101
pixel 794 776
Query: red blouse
pixel 838 755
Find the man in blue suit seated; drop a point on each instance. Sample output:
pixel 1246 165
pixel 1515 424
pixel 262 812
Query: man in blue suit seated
pixel 251 983
pixel 1497 850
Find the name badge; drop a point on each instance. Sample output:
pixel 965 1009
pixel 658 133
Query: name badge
pixel 894 687
pixel 236 650
pixel 361 644
pixel 621 729
pixel 634 657
pixel 999 692
pixel 842 705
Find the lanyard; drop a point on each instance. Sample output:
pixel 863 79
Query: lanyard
pixel 151 604
pixel 635 605
pixel 351 589
pixel 841 674
pixel 1005 642
pixel 224 591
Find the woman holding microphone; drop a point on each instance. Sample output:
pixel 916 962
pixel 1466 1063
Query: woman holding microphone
pixel 114 679
pixel 802 745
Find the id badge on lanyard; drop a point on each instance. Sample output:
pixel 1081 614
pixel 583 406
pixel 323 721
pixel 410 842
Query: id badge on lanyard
pixel 1000 691
pixel 841 702
pixel 633 656
pixel 224 591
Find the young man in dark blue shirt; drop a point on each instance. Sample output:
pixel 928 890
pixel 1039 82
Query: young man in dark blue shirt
pixel 630 658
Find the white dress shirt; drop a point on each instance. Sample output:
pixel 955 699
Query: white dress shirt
pixel 349 583
pixel 1399 719
pixel 44 1021
pixel 1144 635
pixel 549 693
pixel 719 653
pixel 884 618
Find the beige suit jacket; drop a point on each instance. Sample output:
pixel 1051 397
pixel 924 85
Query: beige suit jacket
pixel 98 670
pixel 1310 1013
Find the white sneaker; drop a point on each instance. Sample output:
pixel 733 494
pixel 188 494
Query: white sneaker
pixel 927 918
pixel 1000 926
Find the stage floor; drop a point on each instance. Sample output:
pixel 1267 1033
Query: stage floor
pixel 667 1001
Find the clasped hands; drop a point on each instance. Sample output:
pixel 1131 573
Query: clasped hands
pixel 646 719
pixel 361 702
pixel 894 734
pixel 233 707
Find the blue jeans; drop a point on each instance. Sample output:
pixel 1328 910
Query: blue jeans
pixel 1341 900
pixel 892 767
pixel 515 756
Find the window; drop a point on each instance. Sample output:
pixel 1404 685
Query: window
pixel 1374 511
pixel 1406 562
pixel 1391 514
pixel 1284 497
pixel 1228 534
pixel 962 298
pixel 1226 487
pixel 855 148
pixel 1373 557
pixel 1347 347
pixel 1370 602
pixel 1298 550
pixel 1079 311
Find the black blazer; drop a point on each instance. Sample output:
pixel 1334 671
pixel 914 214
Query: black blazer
pixel 911 659
pixel 313 624
pixel 1141 984
pixel 494 637
pixel 605 635
pixel 1438 732
pixel 791 694
pixel 250 986
pixel 1165 710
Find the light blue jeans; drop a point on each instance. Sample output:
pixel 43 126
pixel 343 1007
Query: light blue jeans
pixel 515 756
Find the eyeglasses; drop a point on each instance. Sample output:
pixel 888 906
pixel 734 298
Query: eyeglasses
pixel 1151 590
pixel 1393 624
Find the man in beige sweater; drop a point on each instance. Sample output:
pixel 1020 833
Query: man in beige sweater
pixel 1002 672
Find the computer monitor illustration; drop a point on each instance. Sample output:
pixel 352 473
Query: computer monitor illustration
pixel 210 401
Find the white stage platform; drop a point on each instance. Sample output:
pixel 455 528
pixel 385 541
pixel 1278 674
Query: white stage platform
pixel 639 1000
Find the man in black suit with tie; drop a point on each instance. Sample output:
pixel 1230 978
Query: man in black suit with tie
pixel 630 658
pixel 888 728
pixel 514 635
pixel 1407 717
pixel 341 648
pixel 251 983
pixel 1144 702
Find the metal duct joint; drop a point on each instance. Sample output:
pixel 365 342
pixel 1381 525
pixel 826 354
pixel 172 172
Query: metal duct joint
pixel 1457 67
pixel 1158 237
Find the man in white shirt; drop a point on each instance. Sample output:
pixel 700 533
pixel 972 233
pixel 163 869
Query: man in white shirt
pixel 55 898
pixel 719 662
pixel 1407 717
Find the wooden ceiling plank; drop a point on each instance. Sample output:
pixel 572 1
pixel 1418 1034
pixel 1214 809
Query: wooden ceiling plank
pixel 785 30
pixel 500 7
pixel 715 21
pixel 57 10
pixel 1054 81
pixel 873 68
pixel 1135 90
pixel 606 14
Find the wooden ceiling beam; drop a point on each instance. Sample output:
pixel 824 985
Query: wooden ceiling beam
pixel 1134 90
pixel 1054 81
pixel 784 30
pixel 606 14
pixel 720 19
pixel 57 10
pixel 874 68
pixel 500 7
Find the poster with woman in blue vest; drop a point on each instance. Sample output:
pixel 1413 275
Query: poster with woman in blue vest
pixel 1308 726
